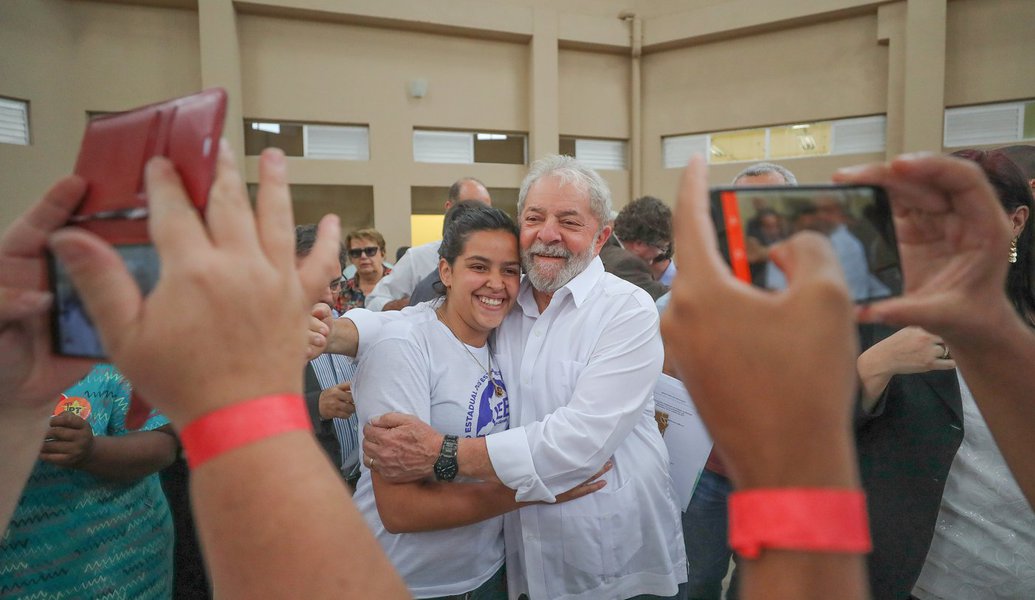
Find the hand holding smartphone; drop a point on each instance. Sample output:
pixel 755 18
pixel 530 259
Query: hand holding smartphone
pixel 114 151
pixel 856 220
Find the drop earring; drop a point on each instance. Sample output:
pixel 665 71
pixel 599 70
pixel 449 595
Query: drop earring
pixel 1013 251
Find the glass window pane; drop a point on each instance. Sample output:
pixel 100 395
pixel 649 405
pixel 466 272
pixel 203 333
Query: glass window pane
pixel 732 146
pixel 809 139
pixel 259 135
pixel 501 148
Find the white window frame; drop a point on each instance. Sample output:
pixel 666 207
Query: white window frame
pixel 352 143
pixel 14 122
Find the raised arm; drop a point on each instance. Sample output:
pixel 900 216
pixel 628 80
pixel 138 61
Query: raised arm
pixel 953 236
pixel 772 374
pixel 31 377
pixel 274 518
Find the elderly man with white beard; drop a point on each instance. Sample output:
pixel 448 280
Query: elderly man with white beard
pixel 581 352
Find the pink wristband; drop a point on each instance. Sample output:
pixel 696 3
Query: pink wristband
pixel 240 424
pixel 807 519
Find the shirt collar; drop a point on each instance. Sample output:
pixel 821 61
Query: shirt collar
pixel 578 288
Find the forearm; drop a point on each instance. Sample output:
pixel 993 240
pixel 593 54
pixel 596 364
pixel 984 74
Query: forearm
pixel 472 457
pixel 130 457
pixel 782 574
pixel 779 574
pixel 873 379
pixel 343 338
pixel 278 507
pixel 432 505
pixel 21 435
pixel 996 366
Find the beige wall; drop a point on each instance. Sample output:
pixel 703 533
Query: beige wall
pixel 708 65
pixel 821 71
pixel 594 94
pixel 67 58
pixel 309 71
pixel 990 51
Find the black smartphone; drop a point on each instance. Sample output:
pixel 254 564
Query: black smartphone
pixel 73 332
pixel 856 219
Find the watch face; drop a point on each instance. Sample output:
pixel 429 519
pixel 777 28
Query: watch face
pixel 445 469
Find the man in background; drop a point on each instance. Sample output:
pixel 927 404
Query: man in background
pixel 328 385
pixel 642 233
pixel 393 291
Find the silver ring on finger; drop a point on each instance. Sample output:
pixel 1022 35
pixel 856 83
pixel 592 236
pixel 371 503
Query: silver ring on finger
pixel 945 355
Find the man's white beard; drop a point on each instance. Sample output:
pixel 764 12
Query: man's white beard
pixel 573 265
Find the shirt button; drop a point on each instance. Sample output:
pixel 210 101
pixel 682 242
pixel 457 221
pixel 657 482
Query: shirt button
pixel 538 333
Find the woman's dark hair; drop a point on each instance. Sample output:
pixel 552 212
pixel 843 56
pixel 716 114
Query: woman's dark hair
pixel 462 220
pixel 1014 192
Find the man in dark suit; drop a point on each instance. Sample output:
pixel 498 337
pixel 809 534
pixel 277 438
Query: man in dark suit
pixel 642 232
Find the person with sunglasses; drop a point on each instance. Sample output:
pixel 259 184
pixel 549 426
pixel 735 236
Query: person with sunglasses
pixel 366 248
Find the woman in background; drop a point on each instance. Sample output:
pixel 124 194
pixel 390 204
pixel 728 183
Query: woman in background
pixel 366 250
pixel 925 433
pixel 93 521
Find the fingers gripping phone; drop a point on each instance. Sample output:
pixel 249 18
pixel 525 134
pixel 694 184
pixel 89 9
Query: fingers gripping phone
pixel 856 219
pixel 114 151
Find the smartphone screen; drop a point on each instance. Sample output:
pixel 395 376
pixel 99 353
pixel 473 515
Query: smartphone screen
pixel 856 220
pixel 73 332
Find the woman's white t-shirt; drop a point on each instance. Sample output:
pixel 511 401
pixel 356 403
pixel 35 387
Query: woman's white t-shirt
pixel 419 367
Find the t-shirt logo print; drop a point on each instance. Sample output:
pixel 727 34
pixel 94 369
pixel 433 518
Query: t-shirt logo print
pixel 491 412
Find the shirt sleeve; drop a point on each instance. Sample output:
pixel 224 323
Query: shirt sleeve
pixel 370 324
pixel 609 398
pixel 397 284
pixel 393 377
pixel 120 407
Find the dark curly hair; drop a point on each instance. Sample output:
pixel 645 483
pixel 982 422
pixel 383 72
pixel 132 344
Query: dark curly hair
pixel 646 220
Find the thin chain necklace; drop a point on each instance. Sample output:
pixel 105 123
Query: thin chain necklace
pixel 497 388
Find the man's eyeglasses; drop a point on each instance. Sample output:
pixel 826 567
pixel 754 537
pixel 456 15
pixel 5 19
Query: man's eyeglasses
pixel 370 251
pixel 336 284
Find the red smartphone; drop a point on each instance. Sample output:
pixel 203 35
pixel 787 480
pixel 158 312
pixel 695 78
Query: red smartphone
pixel 112 157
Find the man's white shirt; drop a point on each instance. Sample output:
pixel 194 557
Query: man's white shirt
pixel 581 378
pixel 406 274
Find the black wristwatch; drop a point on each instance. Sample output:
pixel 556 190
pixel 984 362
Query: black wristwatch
pixel 446 467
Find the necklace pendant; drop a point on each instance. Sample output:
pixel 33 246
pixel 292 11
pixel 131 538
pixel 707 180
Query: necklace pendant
pixel 498 388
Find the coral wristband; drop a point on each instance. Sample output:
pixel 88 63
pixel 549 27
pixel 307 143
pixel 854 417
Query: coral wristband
pixel 806 519
pixel 240 424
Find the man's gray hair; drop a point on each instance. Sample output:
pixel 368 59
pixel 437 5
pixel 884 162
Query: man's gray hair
pixel 764 168
pixel 571 172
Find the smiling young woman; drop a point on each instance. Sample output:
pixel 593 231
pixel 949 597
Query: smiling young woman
pixel 481 285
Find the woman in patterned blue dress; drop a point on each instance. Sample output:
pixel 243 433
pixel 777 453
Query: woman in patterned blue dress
pixel 92 521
